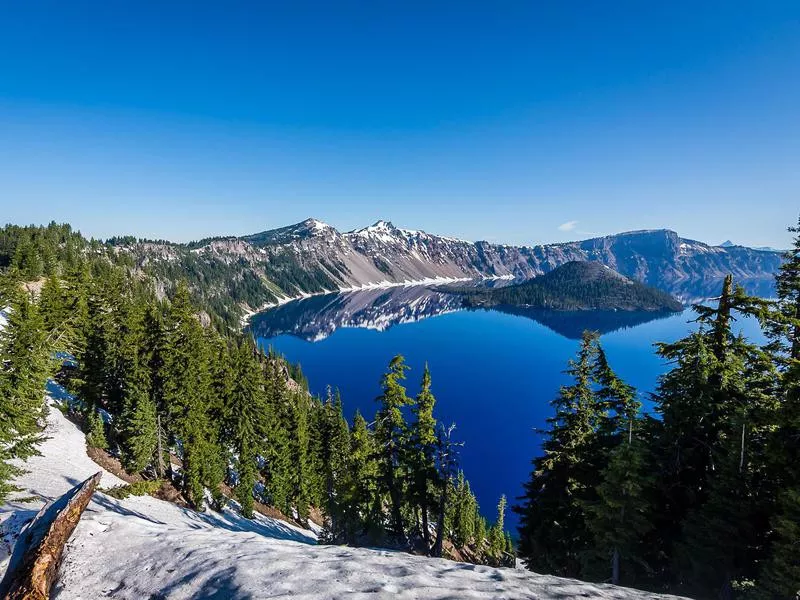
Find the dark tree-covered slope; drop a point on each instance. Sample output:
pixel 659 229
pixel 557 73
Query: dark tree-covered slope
pixel 578 285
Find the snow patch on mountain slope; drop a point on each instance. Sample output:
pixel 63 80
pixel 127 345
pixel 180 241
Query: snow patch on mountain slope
pixel 146 548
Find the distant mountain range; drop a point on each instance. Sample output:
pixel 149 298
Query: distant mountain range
pixel 314 257
pixel 730 244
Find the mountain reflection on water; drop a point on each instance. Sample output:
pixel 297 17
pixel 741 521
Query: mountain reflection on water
pixel 316 318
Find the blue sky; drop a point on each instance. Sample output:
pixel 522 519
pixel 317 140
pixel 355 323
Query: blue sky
pixel 518 122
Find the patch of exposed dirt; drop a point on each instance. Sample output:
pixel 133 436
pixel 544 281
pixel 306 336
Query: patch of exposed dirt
pixel 271 511
pixel 315 516
pixel 170 493
pixel 111 464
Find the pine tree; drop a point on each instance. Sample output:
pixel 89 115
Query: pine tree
pixel 553 531
pixel 187 395
pixel 724 538
pixel 52 306
pixel 335 450
pixel 422 448
pixel 621 518
pixel 618 517
pixel 96 430
pixel 390 431
pixel 446 465
pixel 138 419
pixel 480 529
pixel 24 367
pixel 95 361
pixel 461 511
pixel 278 465
pixel 364 513
pixel 248 421
pixel 780 573
pixel 618 404
pixel 719 385
pixel 76 306
pixel 301 475
pixel 497 541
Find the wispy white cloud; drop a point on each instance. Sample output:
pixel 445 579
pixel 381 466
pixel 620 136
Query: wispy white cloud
pixel 568 226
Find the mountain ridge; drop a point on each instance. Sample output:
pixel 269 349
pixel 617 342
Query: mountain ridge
pixel 246 273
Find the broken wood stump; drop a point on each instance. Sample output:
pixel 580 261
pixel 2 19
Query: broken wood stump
pixel 33 567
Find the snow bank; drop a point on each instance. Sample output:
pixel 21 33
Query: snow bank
pixel 146 548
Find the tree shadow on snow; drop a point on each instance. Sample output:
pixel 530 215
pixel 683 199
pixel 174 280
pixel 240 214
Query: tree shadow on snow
pixel 113 506
pixel 220 586
pixel 232 522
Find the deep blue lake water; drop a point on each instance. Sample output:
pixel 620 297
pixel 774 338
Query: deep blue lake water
pixel 493 373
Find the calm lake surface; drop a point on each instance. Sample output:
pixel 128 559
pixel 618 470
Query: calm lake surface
pixel 493 373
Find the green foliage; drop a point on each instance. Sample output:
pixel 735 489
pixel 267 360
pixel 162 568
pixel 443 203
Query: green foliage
pixel 703 500
pixel 174 386
pixel 422 456
pixel 497 540
pixel 553 531
pixel 246 411
pixel 138 488
pixel 390 432
pixel 24 367
pixel 96 430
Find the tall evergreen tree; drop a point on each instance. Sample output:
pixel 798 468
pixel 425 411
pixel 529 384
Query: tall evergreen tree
pixel 446 464
pixel 364 503
pixel 620 518
pixel 137 420
pixel 335 450
pixel 187 396
pixel 780 573
pixel 497 541
pixel 278 465
pixel 553 531
pixel 717 403
pixel 461 511
pixel 247 420
pixel 25 365
pixel 422 448
pixel 390 432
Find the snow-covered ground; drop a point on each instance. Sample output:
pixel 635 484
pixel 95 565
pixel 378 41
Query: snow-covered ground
pixel 146 548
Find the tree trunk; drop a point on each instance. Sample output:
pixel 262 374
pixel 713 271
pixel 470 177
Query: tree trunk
pixel 615 567
pixel 394 497
pixel 33 567
pixel 437 546
pixel 741 452
pixel 722 325
pixel 425 532
pixel 160 462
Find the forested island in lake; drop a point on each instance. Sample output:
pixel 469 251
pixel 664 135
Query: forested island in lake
pixel 577 285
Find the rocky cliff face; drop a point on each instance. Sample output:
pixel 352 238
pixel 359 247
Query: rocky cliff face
pixel 383 252
pixel 314 257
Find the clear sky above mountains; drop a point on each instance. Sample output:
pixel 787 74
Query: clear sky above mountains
pixel 518 122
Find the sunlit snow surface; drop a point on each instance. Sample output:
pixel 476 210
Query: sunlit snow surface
pixel 145 548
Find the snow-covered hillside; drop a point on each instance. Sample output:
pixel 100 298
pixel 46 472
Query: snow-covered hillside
pixel 147 548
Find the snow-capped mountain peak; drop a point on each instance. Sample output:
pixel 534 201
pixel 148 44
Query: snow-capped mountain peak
pixel 317 227
pixel 310 228
pixel 380 231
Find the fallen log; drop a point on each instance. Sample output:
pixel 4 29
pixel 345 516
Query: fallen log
pixel 33 567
